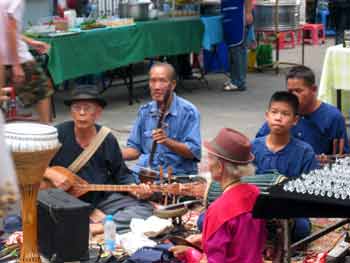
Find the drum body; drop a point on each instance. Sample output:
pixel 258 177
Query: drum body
pixel 32 146
pixel 288 15
pixel 262 181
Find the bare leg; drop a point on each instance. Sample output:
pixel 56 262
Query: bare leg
pixel 43 107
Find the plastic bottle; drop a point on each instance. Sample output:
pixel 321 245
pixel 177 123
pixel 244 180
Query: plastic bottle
pixel 110 234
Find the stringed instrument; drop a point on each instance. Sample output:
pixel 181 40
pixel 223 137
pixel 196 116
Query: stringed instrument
pixel 146 174
pixel 162 114
pixel 80 187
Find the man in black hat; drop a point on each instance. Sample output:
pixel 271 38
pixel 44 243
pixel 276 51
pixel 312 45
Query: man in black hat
pixel 106 166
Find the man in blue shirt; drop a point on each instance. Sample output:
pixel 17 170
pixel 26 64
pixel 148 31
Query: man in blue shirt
pixel 320 124
pixel 178 140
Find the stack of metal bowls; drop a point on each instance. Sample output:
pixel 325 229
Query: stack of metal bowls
pixel 288 17
pixel 138 11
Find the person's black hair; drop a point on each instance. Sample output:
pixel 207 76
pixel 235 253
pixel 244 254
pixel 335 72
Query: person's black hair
pixel 287 97
pixel 302 72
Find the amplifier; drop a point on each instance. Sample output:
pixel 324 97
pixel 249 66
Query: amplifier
pixel 63 226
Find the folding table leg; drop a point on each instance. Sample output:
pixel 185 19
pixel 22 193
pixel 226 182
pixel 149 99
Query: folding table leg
pixel 130 84
pixel 339 99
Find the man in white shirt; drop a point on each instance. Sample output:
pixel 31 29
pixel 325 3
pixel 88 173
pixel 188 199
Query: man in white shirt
pixel 21 70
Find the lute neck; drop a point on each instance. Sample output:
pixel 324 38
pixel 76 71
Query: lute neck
pixel 119 188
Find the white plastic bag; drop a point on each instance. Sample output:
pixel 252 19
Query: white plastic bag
pixel 133 241
pixel 151 227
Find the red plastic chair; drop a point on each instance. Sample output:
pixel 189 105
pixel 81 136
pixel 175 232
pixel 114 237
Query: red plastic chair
pixel 314 34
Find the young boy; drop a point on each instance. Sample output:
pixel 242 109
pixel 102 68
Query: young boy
pixel 279 151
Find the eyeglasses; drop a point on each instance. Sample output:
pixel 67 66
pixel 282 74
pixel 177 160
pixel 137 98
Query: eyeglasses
pixel 85 108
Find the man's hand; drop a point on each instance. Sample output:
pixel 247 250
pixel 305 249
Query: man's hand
pixel 179 251
pixel 3 94
pixel 18 75
pixel 144 192
pixel 322 158
pixel 249 18
pixel 39 46
pixel 159 136
pixel 57 179
pixel 177 147
pixel 195 239
pixel 61 182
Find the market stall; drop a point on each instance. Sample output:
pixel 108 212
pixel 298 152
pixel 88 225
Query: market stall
pixel 98 50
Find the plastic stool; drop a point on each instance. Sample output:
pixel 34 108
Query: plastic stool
pixel 316 34
pixel 283 41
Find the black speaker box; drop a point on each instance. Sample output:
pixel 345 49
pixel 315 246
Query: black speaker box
pixel 63 226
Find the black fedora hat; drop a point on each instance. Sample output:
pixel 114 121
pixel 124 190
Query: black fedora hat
pixel 85 92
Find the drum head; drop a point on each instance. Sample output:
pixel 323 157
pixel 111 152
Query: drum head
pixel 29 128
pixel 30 137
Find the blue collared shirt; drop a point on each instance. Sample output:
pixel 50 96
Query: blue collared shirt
pixel 182 124
pixel 319 129
pixel 295 158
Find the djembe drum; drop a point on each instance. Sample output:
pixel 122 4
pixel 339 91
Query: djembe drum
pixel 32 145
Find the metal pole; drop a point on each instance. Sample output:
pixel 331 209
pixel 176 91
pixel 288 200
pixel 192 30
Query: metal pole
pixel 319 234
pixel 286 241
pixel 302 47
pixel 277 35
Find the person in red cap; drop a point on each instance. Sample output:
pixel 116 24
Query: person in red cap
pixel 230 233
